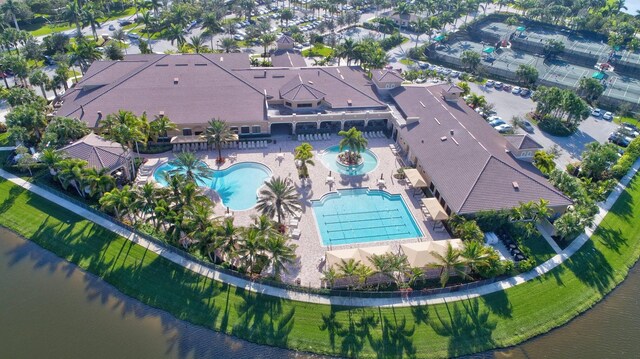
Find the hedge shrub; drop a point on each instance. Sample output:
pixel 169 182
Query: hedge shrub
pixel 624 163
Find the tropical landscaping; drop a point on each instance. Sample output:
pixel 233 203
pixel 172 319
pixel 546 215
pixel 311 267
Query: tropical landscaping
pixel 457 328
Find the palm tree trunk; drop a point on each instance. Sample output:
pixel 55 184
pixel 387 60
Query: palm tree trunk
pixel 44 94
pixel 219 151
pixel 15 21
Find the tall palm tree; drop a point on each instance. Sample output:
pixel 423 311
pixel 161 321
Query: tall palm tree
pixel 84 52
pixel 330 275
pixel 250 247
pixel 541 209
pixel 348 50
pixel 475 254
pixel 160 126
pixel 51 158
pixel 39 78
pixel 211 25
pixel 420 26
pixel 280 254
pixel 148 197
pixel 71 172
pixel 228 44
pixel 118 200
pixel 354 141
pixel 197 43
pixel 10 8
pixel 279 198
pixel 451 261
pixel 264 226
pixel 194 169
pixel 175 33
pixel 73 14
pixel 266 40
pixel 349 268
pixel 304 155
pixel 217 133
pixel 90 16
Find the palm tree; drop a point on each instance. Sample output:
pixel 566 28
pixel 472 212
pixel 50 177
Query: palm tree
pixel 194 169
pixel 363 272
pixel 118 200
pixel 475 254
pixel 39 78
pixel 230 234
pixel 228 44
pixel 10 8
pixel 71 172
pixel 84 52
pixel 51 158
pixel 147 200
pixel 348 50
pixel 73 14
pixel 211 25
pixel 125 128
pixel 266 40
pixel 90 16
pixel 477 101
pixel 349 268
pixel 66 129
pixel 280 254
pixel 217 133
pixel 175 33
pixel 354 141
pixel 264 226
pixel 279 199
pixel 99 181
pixel 250 247
pixel 402 9
pixel 197 43
pixel 304 155
pixel 451 261
pixel 330 276
pixel 160 126
pixel 541 209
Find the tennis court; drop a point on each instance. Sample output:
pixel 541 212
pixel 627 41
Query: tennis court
pixel 623 88
pixel 563 73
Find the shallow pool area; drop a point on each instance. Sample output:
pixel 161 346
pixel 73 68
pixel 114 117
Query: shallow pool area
pixel 360 215
pixel 329 158
pixel 237 185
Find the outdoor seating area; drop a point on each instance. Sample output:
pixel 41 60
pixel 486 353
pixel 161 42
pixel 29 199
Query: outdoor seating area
pixel 514 253
pixel 314 137
pixel 244 145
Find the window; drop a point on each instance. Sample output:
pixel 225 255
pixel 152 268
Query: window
pixel 287 103
pixel 319 103
pixel 233 130
pixel 390 86
pixel 305 105
pixel 186 132
pixel 442 202
pixel 437 194
pixel 245 129
pixel 256 129
pixel 432 187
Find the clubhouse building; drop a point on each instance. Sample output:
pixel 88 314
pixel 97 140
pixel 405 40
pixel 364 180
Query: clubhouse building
pixel 466 164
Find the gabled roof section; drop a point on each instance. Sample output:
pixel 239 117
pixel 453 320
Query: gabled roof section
pixel 285 39
pixel 523 142
pixel 502 186
pixel 384 75
pixel 454 89
pixel 287 58
pixel 98 152
pixel 297 90
pixel 464 156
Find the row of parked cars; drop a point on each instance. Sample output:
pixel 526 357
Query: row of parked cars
pixel 597 113
pixel 516 90
pixel 624 134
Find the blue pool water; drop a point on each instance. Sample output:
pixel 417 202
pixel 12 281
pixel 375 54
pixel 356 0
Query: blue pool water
pixel 237 185
pixel 329 159
pixel 363 215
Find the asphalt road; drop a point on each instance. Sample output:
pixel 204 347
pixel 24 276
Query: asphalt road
pixel 508 105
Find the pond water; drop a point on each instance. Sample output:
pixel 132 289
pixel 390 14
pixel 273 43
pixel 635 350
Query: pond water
pixel 51 309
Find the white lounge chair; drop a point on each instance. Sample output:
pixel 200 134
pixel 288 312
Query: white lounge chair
pixel 330 180
pixel 293 222
pixel 295 233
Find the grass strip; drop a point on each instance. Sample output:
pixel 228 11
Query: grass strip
pixel 497 320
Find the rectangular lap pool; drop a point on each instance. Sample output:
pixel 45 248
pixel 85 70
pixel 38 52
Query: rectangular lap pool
pixel 362 215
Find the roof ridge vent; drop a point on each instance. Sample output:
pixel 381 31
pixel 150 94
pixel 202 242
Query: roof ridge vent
pixel 443 138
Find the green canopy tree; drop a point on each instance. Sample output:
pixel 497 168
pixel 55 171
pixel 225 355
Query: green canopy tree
pixel 354 141
pixel 527 74
pixel 471 60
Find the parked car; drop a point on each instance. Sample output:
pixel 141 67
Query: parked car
pixel 238 37
pixel 133 36
pixel 421 81
pixel 527 126
pixel 619 139
pixel 498 85
pixel 125 22
pixel 596 112
pixel 607 116
pixel 627 124
pixel 497 122
pixel 628 131
pixel 506 87
pixel 489 83
pixel 516 90
pixel 112 27
pixel 504 128
pixel 525 92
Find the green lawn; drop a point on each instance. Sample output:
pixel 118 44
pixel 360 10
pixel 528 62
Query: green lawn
pixel 631 120
pixel 4 139
pixel 407 62
pixel 317 50
pixel 497 320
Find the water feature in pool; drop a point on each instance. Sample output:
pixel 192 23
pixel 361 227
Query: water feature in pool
pixel 362 215
pixel 237 185
pixel 329 158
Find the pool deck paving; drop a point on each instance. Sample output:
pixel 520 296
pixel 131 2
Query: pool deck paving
pixel 311 252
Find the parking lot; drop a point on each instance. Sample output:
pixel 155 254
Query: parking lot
pixel 508 105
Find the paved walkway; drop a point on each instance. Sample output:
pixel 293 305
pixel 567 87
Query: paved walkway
pixel 7 149
pixel 320 299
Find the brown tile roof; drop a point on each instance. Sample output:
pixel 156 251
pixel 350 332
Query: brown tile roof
pixel 470 168
pixel 284 58
pixel 285 39
pixel 523 142
pixel 387 75
pixel 339 84
pixel 98 152
pixel 206 87
pixel 297 90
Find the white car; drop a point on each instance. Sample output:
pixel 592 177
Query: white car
pixel 489 83
pixel 596 112
pixel 504 128
pixel 497 122
pixel 608 116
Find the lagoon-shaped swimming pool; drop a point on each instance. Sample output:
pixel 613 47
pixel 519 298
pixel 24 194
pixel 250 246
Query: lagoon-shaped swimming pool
pixel 359 215
pixel 237 185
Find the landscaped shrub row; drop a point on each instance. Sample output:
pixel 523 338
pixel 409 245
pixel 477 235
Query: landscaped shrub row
pixel 391 41
pixel 627 160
